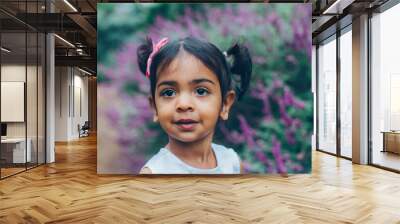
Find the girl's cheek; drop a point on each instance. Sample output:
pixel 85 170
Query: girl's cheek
pixel 168 106
pixel 210 99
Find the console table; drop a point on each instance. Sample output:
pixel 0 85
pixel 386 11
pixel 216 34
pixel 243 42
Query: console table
pixel 391 141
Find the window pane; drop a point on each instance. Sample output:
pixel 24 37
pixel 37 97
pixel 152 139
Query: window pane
pixel 345 94
pixel 386 89
pixel 327 97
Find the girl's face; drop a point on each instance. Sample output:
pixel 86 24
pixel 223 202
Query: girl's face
pixel 188 99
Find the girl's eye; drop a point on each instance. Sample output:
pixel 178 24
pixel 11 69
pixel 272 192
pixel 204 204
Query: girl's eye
pixel 202 91
pixel 168 93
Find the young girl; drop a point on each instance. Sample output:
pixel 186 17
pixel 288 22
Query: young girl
pixel 191 90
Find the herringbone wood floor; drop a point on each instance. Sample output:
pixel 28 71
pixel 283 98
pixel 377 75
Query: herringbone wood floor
pixel 70 191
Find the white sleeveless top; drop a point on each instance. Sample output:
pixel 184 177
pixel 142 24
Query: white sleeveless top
pixel 165 162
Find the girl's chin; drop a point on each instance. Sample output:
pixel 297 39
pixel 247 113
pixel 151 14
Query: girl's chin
pixel 186 137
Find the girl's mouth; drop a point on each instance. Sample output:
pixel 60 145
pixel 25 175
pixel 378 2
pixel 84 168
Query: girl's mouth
pixel 186 124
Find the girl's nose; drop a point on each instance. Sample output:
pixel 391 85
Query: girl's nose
pixel 184 103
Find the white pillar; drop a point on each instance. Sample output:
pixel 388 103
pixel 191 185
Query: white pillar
pixel 50 91
pixel 360 90
pixel 50 110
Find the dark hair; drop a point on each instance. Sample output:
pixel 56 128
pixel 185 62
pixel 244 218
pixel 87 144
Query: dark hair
pixel 208 54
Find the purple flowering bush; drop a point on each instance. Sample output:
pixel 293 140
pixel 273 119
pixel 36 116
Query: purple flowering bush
pixel 270 127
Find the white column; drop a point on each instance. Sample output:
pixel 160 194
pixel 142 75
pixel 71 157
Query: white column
pixel 360 90
pixel 50 93
pixel 50 100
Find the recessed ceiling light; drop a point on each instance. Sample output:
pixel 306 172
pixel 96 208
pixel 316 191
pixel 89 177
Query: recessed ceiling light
pixel 337 7
pixel 70 5
pixel 5 49
pixel 64 40
pixel 84 71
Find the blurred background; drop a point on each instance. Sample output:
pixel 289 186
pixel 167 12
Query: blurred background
pixel 270 128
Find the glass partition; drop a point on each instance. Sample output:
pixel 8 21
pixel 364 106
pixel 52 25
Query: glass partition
pixel 327 96
pixel 31 100
pixel 22 67
pixel 385 89
pixel 41 109
pixel 13 108
pixel 32 90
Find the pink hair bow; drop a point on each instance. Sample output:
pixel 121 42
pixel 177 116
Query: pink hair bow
pixel 156 48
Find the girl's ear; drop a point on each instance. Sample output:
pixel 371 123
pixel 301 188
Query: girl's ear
pixel 153 107
pixel 227 104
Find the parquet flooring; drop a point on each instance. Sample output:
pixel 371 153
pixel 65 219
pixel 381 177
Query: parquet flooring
pixel 70 191
pixel 9 171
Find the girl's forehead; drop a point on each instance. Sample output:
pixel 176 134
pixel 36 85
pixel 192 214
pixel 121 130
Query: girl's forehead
pixel 186 67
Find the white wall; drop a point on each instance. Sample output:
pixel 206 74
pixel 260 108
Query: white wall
pixel 80 110
pixel 62 81
pixel 12 101
pixel 71 87
pixel 12 73
pixel 33 126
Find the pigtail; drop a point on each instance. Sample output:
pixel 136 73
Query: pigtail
pixel 241 66
pixel 143 53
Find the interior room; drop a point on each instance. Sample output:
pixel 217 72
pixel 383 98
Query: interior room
pixel 49 151
pixel 22 102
